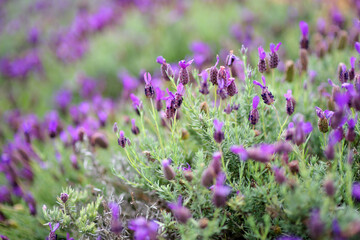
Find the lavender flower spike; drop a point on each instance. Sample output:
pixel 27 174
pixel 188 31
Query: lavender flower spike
pixel 254 113
pixel 352 69
pixel 137 104
pixel 323 120
pixel 218 133
pixel 167 169
pixel 134 129
pixel 204 84
pixel 214 72
pixel 267 96
pixel 304 28
pixel 220 191
pixel 166 70
pixel 143 229
pixel 181 213
pixel 262 62
pixel 52 235
pixel 179 95
pixel 149 89
pixel 290 103
pixel 184 73
pixel 274 57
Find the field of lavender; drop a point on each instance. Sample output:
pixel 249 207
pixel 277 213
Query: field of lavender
pixel 166 119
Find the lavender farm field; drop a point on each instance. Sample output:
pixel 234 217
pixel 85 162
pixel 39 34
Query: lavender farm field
pixel 164 119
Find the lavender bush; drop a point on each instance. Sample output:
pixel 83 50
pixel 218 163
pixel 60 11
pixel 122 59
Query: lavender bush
pixel 136 120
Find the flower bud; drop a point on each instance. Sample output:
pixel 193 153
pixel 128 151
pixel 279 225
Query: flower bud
pixel 329 187
pixel 203 223
pixel 64 197
pixel 294 166
pixel 168 171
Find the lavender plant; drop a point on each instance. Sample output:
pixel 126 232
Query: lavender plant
pixel 187 150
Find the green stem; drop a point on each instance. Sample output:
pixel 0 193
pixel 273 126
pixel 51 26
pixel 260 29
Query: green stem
pixel 156 124
pixel 282 127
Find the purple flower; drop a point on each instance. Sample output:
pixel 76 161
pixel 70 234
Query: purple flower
pixel 204 84
pixel 52 235
pixel 149 89
pixel 181 213
pixel 5 195
pixel 266 95
pixel 274 57
pixel 134 129
pixel 290 103
pixel 63 99
pixel 116 225
pixel 214 72
pixel 231 88
pixel 184 76
pixel 279 174
pixel 122 140
pixel 137 104
pixel 240 151
pixel 301 129
pixel 222 89
pixel 254 113
pixel 160 95
pixel 352 69
pixel 212 171
pixel 218 133
pixel 357 47
pixel 143 229
pixel 220 191
pixel 350 135
pixel 315 225
pixel 29 199
pixel 231 58
pixel 180 90
pixel 323 123
pixel 329 187
pixel 166 70
pixel 262 53
pixel 304 28
pixel 170 105
pixel 184 64
pixel 168 171
pixel 356 191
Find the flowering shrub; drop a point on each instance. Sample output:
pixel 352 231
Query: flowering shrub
pixel 216 144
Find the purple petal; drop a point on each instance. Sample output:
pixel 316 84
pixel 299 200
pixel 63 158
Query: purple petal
pixel 262 53
pixel 272 47
pixel 341 99
pixel 184 64
pixel 352 62
pixel 256 100
pixel 278 46
pixel 357 47
pixel 217 60
pixel 263 79
pixel 304 28
pixel 257 83
pixel 204 75
pixel 121 133
pixel 288 95
pixel 160 60
pixel 291 125
pixel 180 89
pixel 307 127
pixel 319 112
pixel 239 150
pixel 331 83
pixel 218 125
pixel 147 78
